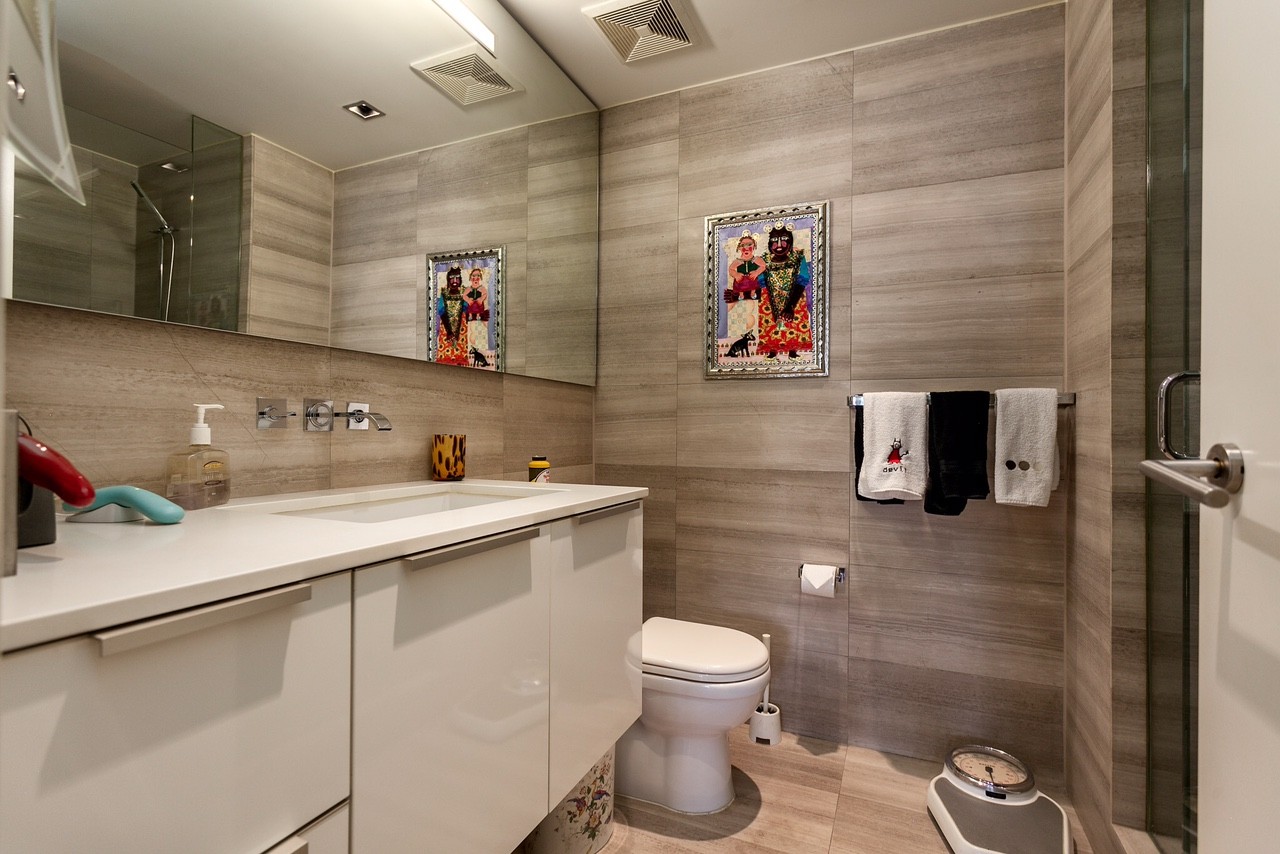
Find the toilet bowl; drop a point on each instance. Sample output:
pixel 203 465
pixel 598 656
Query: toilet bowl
pixel 697 683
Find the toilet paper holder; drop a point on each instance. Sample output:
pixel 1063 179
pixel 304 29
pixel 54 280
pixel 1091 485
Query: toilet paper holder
pixel 839 573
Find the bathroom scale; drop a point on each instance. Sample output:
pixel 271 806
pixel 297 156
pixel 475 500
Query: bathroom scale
pixel 985 802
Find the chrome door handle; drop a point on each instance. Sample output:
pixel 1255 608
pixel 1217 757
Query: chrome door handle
pixel 1162 413
pixel 1223 469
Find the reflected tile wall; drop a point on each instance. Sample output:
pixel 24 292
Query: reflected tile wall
pixel 942 159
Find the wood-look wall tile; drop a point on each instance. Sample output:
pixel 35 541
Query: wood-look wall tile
pixel 640 123
pixel 489 156
pixel 639 187
pixel 1007 225
pixel 375 210
pixel 749 593
pixel 1128 424
pixel 376 306
pixel 798 424
pixel 562 199
pixel 924 712
pixel 1011 44
pixel 559 321
pixel 690 325
pixel 1089 190
pixel 547 418
pixel 1087 302
pixel 1129 43
pixel 1129 725
pixel 659 530
pixel 288 297
pixel 570 138
pixel 472 213
pixel 986 539
pixel 1092 442
pixel 823 84
pixel 772 514
pixel 974 129
pixel 764 163
pixel 419 399
pixel 638 306
pixel 292 207
pixel 811 693
pixel 974 327
pixel 635 424
pixel 991 624
pixel 1088 52
pixel 127 405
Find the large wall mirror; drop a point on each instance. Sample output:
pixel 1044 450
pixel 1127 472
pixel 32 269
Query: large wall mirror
pixel 228 187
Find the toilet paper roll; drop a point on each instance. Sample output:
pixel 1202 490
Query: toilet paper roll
pixel 818 579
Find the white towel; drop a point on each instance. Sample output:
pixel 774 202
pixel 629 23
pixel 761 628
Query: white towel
pixel 1026 459
pixel 896 454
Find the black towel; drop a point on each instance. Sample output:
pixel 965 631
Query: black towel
pixel 857 460
pixel 957 450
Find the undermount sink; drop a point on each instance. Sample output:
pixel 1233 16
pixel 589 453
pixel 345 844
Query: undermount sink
pixel 385 505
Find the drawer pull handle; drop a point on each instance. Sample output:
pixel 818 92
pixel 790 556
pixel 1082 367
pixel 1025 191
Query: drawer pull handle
pixel 422 560
pixel 292 845
pixel 177 625
pixel 593 515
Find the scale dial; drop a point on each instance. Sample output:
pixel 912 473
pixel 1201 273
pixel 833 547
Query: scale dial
pixel 994 772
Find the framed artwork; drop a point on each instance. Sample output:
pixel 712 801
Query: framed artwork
pixel 464 304
pixel 767 293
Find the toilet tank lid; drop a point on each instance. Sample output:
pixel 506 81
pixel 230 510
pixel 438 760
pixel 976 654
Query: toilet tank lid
pixel 714 653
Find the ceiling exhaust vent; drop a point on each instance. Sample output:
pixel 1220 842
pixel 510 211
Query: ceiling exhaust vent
pixel 467 76
pixel 641 30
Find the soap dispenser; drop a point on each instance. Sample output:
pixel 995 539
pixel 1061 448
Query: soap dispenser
pixel 199 476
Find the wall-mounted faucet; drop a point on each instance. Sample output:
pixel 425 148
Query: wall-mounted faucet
pixel 320 416
pixel 356 418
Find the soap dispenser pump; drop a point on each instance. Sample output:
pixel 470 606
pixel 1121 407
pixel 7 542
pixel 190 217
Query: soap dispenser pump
pixel 199 476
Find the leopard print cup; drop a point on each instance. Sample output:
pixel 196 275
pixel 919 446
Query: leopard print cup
pixel 448 456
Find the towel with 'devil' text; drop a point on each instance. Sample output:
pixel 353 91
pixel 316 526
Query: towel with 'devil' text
pixel 894 443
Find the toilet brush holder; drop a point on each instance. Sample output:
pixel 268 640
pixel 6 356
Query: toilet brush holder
pixel 766 724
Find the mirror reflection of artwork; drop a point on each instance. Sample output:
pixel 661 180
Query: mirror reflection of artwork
pixel 767 293
pixel 464 304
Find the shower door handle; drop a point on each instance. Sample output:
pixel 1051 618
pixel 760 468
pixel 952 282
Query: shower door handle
pixel 1162 413
pixel 1223 470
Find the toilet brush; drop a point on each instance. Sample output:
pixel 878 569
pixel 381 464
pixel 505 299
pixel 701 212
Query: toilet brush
pixel 766 720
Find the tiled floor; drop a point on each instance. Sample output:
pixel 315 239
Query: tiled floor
pixel 803 796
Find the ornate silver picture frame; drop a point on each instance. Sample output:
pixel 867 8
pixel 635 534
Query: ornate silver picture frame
pixel 767 293
pixel 464 308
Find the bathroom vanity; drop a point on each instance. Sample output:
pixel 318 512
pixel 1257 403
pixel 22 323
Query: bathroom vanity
pixel 422 667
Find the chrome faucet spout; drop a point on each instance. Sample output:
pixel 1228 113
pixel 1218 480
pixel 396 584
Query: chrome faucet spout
pixel 357 416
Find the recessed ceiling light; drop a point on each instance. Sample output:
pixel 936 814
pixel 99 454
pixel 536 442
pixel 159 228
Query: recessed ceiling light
pixel 363 109
pixel 465 18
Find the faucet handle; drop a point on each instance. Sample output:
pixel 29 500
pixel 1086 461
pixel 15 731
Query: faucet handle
pixel 272 413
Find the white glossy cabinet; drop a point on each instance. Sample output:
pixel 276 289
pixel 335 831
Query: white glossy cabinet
pixel 450 710
pixel 596 586
pixel 329 834
pixel 219 729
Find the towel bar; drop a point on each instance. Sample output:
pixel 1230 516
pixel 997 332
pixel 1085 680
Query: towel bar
pixel 1067 399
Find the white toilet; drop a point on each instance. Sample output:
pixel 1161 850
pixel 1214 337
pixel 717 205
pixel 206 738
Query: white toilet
pixel 698 682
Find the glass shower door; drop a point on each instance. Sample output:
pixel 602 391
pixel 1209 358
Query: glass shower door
pixel 1173 347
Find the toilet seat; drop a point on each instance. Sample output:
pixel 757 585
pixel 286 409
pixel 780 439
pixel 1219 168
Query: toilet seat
pixel 700 653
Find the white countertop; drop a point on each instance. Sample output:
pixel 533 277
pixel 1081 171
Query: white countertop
pixel 100 575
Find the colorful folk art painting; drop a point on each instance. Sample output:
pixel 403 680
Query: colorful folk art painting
pixel 767 293
pixel 464 306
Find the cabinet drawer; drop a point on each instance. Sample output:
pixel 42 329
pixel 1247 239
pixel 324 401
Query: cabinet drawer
pixel 451 698
pixel 596 581
pixel 220 729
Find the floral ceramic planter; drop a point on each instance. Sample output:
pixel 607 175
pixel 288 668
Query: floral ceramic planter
pixel 583 822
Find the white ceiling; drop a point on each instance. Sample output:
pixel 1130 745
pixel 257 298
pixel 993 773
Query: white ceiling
pixel 282 69
pixel 737 37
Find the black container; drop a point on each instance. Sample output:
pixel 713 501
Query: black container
pixel 35 515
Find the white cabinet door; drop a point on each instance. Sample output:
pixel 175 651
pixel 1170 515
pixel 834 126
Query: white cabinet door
pixel 218 729
pixel 450 698
pixel 329 834
pixel 595 638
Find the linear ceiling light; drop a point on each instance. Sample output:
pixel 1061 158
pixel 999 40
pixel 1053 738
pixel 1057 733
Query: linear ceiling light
pixel 467 19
